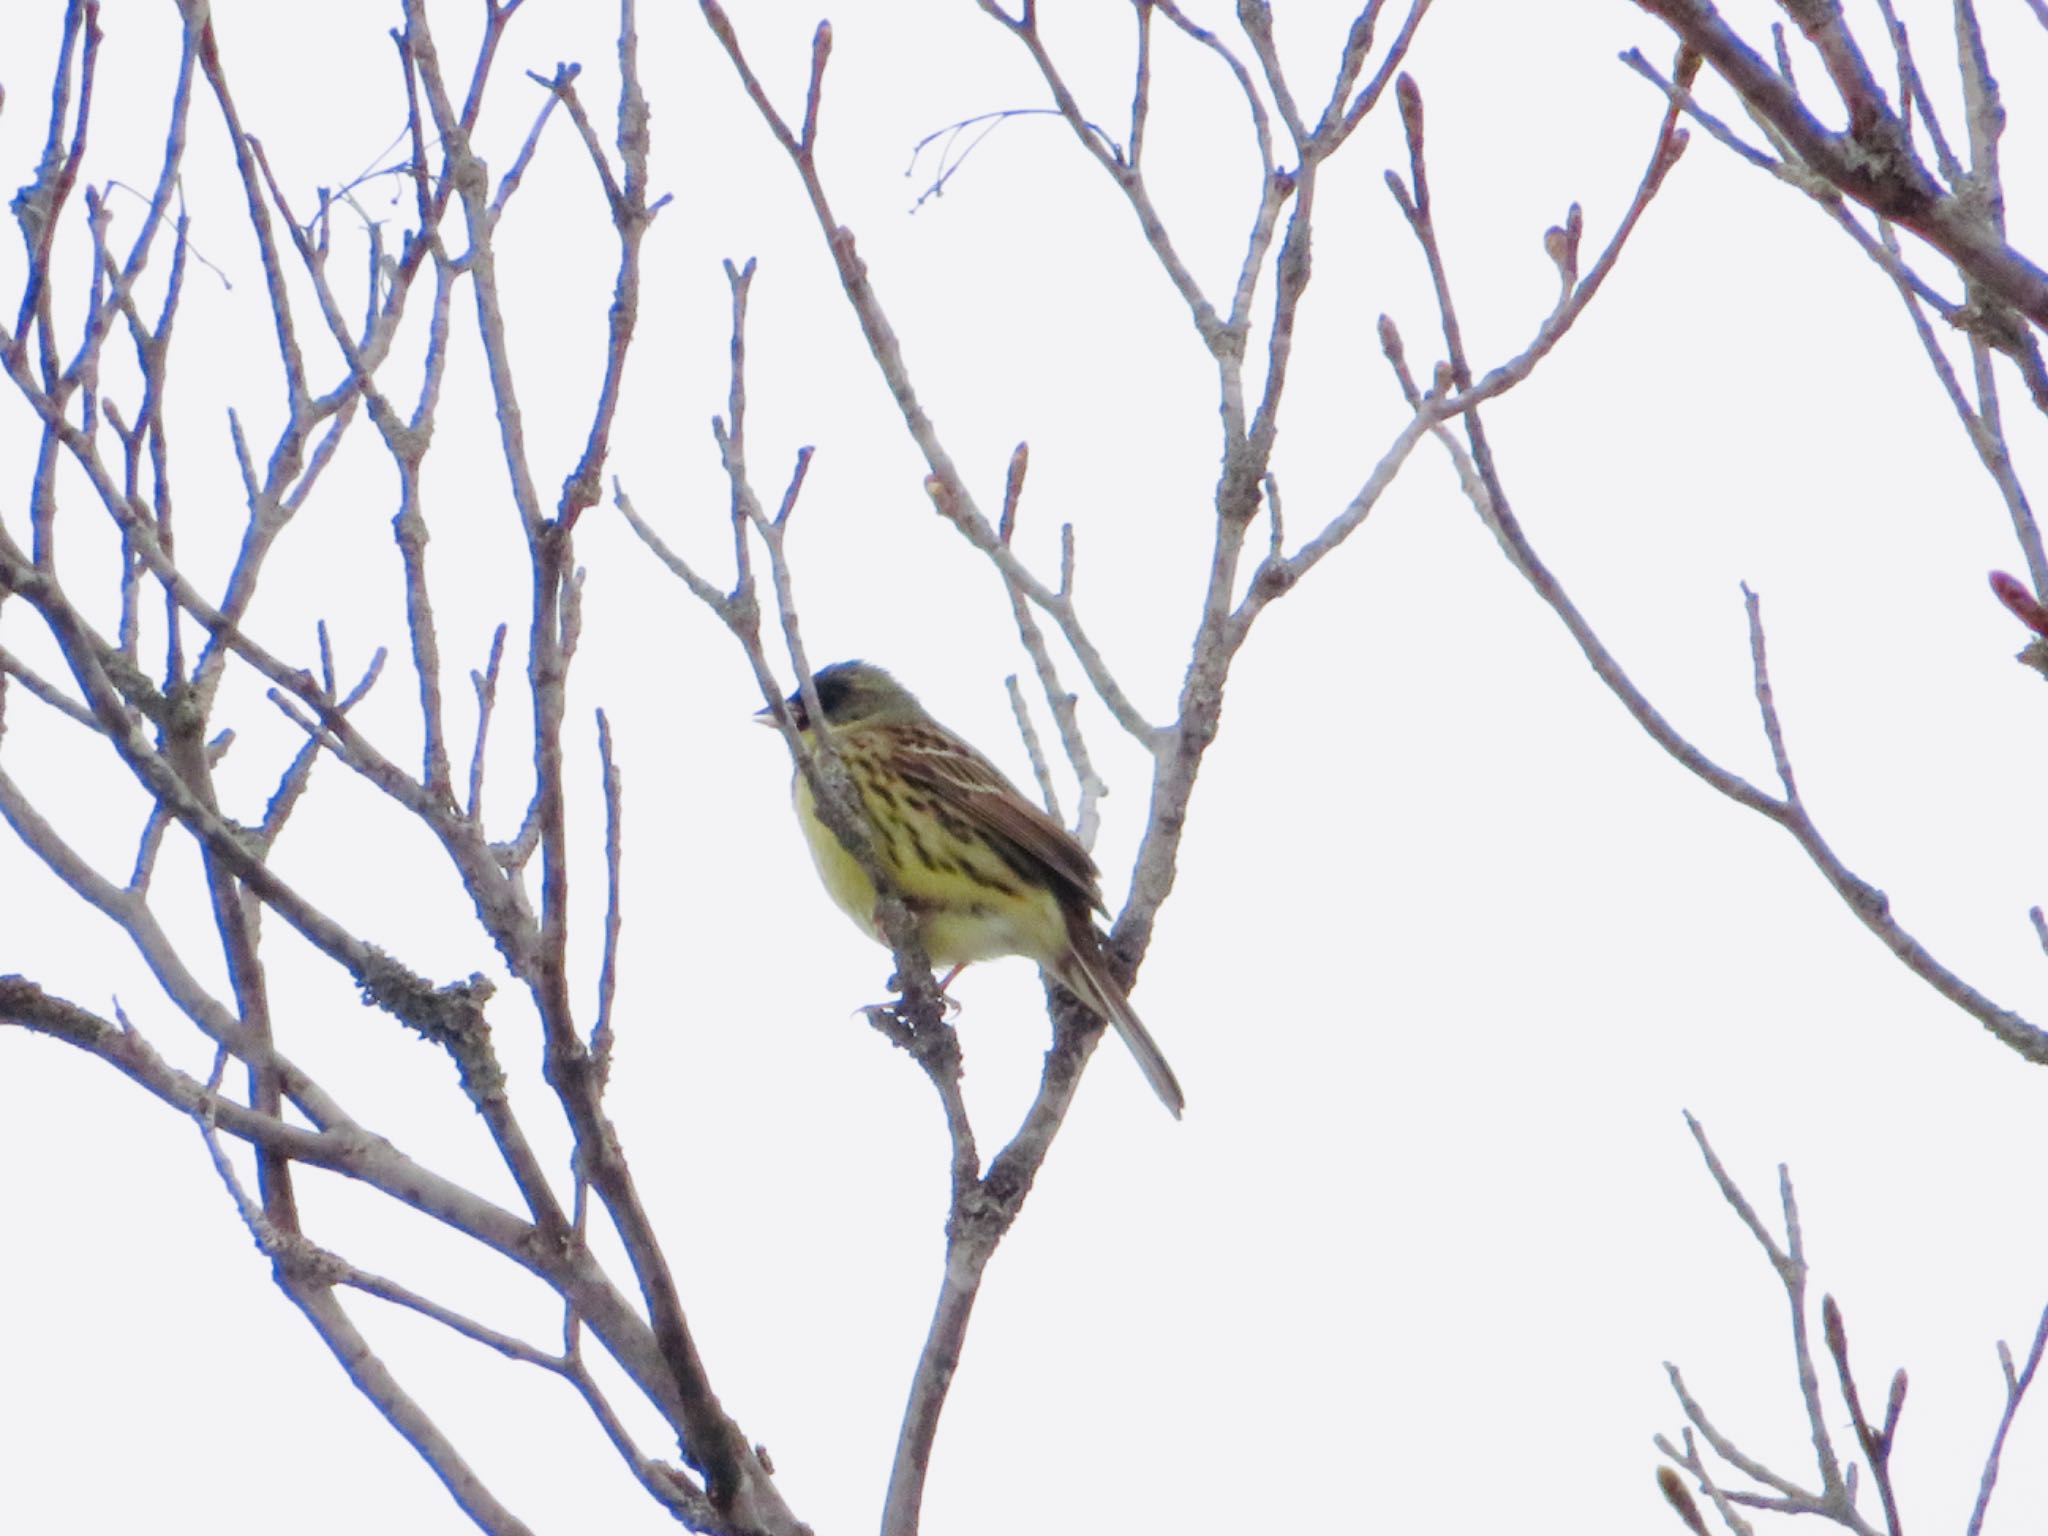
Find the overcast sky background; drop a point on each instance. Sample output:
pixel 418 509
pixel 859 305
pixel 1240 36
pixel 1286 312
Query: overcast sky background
pixel 1452 946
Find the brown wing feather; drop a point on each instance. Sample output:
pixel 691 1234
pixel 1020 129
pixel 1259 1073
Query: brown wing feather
pixel 963 782
pixel 967 783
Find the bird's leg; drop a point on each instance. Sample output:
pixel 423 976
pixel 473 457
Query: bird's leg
pixel 952 1007
pixel 953 1004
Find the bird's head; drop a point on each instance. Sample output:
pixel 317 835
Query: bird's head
pixel 851 693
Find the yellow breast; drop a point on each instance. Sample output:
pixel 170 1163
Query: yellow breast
pixel 970 905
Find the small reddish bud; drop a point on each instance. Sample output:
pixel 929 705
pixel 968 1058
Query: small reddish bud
pixel 1679 1497
pixel 2025 607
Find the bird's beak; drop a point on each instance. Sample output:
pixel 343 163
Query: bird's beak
pixel 765 715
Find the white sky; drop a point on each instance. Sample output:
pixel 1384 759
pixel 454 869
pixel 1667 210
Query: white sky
pixel 1452 944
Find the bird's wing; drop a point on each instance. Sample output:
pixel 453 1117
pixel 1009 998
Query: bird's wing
pixel 964 781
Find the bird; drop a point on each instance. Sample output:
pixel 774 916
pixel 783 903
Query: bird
pixel 984 872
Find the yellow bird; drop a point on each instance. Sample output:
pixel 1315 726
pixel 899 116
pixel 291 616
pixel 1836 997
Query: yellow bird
pixel 985 872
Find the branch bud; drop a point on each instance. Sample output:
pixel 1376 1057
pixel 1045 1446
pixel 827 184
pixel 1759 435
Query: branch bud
pixel 1679 1497
pixel 1832 1330
pixel 2013 593
pixel 1390 338
pixel 1409 95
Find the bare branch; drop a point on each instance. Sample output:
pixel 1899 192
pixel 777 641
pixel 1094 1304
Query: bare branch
pixel 608 970
pixel 2015 1392
pixel 1058 699
pixel 1214 332
pixel 705 593
pixel 1040 769
pixel 1836 1499
pixel 300 773
pixel 1484 487
pixel 13 666
pixel 1872 162
pixel 374 1380
pixel 1868 903
pixel 1876 1440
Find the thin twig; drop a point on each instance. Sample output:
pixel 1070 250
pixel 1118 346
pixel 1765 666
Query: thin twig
pixel 2015 1393
pixel 1041 770
pixel 50 694
pixel 1876 1440
pixel 1836 1499
pixel 486 685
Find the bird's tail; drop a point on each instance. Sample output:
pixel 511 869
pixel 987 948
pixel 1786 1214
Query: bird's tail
pixel 1086 975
